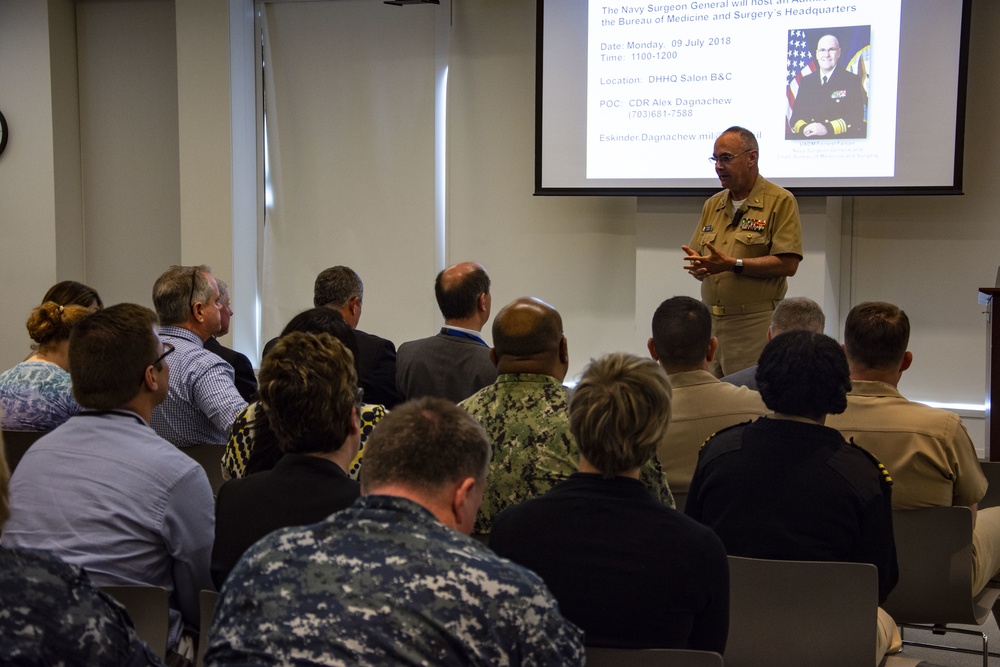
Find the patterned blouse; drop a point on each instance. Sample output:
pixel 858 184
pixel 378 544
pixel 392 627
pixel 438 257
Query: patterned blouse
pixel 36 396
pixel 243 435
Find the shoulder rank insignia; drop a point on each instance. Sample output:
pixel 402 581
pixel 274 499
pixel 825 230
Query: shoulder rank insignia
pixel 886 477
pixel 753 225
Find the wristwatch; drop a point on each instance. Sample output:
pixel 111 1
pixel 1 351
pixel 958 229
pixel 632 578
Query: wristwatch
pixel 739 266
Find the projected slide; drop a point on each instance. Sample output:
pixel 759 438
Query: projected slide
pixel 815 79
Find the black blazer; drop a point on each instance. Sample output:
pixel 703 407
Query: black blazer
pixel 377 366
pixel 299 490
pixel 246 380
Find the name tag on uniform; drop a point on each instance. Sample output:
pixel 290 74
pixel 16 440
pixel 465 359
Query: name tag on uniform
pixel 706 228
pixel 753 225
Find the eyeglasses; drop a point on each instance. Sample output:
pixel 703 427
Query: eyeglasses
pixel 167 349
pixel 726 158
pixel 194 284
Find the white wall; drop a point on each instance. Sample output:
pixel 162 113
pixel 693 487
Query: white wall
pixel 576 253
pixel 128 121
pixel 27 172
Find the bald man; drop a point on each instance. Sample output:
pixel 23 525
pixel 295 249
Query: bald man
pixel 831 101
pixel 455 363
pixel 526 411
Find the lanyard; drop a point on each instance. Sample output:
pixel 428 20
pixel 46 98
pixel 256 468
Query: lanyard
pixel 462 334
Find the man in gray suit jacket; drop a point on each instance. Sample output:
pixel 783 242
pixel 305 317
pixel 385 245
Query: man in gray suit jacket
pixel 455 363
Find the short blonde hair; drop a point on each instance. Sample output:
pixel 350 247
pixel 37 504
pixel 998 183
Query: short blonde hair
pixel 620 411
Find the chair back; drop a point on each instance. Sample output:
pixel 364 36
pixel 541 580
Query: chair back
pixel 934 551
pixel 659 657
pixel 210 458
pixel 148 607
pixel 992 471
pixel 680 500
pixel 815 613
pixel 207 601
pixel 16 443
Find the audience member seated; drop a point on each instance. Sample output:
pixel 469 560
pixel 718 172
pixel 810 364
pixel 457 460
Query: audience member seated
pixel 394 579
pixel 683 344
pixel 72 293
pixel 788 487
pixel 928 451
pixel 526 411
pixel 309 390
pixel 37 394
pixel 455 363
pixel 339 288
pixel 794 313
pixel 245 381
pixel 103 491
pixel 52 613
pixel 253 446
pixel 203 402
pixel 627 570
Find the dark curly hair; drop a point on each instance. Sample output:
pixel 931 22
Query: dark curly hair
pixel 804 374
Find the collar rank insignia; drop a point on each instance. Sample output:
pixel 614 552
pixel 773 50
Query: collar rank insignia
pixel 753 225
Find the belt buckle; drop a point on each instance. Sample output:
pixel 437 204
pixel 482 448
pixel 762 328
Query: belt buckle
pixel 718 311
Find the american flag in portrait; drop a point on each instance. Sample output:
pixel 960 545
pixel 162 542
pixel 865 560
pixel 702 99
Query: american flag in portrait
pixel 799 63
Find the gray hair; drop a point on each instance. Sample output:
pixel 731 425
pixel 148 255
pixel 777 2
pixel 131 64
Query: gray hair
pixel 746 136
pixel 223 290
pixel 336 286
pixel 178 289
pixel 797 313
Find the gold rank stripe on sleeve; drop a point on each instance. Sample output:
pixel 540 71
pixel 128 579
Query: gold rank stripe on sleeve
pixel 839 126
pixel 885 473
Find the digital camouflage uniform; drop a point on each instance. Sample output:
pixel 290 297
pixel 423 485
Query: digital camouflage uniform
pixel 385 583
pixel 526 417
pixel 51 614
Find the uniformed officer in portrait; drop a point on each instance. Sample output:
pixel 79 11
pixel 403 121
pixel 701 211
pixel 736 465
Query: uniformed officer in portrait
pixel 831 102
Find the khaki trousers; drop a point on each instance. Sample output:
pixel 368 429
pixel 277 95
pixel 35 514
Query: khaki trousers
pixel 741 339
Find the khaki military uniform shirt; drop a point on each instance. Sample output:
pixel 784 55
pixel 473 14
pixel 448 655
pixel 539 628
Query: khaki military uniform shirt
pixel 769 226
pixel 927 451
pixel 701 406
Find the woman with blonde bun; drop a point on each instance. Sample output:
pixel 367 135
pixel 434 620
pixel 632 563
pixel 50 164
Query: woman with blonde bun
pixel 37 394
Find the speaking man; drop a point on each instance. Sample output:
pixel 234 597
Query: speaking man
pixel 748 242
